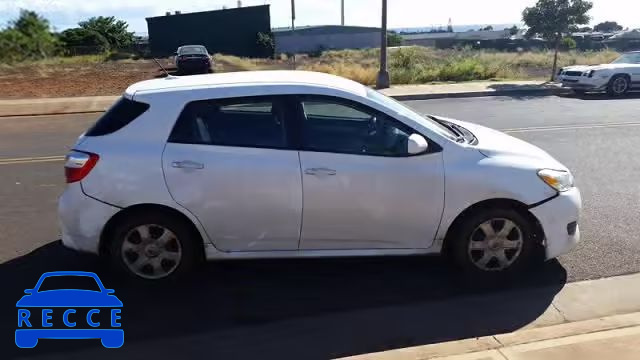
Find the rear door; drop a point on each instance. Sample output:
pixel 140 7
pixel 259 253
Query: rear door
pixel 229 162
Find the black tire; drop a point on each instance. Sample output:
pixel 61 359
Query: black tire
pixel 614 89
pixel 468 231
pixel 185 242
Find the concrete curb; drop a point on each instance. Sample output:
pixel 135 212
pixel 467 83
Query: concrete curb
pixel 579 308
pixel 54 106
pixel 471 94
pixel 94 104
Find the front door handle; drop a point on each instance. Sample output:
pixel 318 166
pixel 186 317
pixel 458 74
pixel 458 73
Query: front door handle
pixel 320 171
pixel 187 164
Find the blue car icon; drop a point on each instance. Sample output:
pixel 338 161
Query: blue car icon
pixel 50 294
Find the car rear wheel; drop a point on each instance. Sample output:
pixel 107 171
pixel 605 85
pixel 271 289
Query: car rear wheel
pixel 619 85
pixel 490 242
pixel 153 246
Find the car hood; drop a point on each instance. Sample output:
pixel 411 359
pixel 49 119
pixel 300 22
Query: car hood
pixel 69 298
pixel 494 143
pixel 585 68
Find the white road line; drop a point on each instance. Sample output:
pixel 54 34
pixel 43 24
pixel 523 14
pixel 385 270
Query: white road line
pixel 569 127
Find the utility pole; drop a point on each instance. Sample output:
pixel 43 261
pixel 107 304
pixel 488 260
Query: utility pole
pixel 342 12
pixel 383 74
pixel 293 28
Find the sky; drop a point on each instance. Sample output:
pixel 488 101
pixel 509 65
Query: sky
pixel 401 13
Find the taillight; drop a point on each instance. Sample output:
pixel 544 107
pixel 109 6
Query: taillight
pixel 78 164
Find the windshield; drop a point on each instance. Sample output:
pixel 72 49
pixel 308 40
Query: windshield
pixel 631 58
pixel 193 50
pixel 69 282
pixel 404 110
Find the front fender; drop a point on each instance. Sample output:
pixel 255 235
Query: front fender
pixel 470 182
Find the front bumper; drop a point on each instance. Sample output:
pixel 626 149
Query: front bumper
pixel 82 219
pixel 582 82
pixel 558 218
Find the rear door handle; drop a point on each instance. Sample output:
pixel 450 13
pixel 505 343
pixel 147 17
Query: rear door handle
pixel 187 164
pixel 320 171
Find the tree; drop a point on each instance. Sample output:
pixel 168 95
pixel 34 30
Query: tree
pixel 488 28
pixel 512 30
pixel 394 39
pixel 568 43
pixel 265 40
pixel 86 41
pixel 552 18
pixel 27 37
pixel 608 26
pixel 115 31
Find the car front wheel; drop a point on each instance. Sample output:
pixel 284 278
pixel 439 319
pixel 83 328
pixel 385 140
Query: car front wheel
pixel 494 241
pixel 619 85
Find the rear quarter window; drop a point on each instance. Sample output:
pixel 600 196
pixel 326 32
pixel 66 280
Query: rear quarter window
pixel 122 113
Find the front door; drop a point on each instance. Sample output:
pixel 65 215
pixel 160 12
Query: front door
pixel 361 188
pixel 230 164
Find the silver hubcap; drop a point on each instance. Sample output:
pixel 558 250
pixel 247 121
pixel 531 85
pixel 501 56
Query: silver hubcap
pixel 151 251
pixel 620 85
pixel 495 244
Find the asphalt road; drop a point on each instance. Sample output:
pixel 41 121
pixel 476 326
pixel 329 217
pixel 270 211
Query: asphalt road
pixel 595 137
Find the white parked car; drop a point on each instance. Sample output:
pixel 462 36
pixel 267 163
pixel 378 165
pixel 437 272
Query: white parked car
pixel 617 78
pixel 301 164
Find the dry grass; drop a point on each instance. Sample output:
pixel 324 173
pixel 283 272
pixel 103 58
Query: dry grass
pixel 419 65
pixel 363 74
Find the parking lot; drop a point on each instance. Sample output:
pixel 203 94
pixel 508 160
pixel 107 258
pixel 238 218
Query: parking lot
pixel 335 307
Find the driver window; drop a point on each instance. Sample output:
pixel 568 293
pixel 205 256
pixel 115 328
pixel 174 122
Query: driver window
pixel 342 127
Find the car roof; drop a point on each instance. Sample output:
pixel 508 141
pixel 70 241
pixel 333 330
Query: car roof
pixel 248 78
pixel 184 46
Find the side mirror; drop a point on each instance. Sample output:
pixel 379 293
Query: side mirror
pixel 109 291
pixel 28 291
pixel 417 144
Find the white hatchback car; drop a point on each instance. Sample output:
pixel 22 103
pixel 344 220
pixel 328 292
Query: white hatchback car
pixel 301 164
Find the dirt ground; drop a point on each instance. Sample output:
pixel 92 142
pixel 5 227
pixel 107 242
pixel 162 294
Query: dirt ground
pixel 107 78
pixel 88 79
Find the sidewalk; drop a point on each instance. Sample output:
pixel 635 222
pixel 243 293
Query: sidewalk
pixel 616 337
pixel 51 106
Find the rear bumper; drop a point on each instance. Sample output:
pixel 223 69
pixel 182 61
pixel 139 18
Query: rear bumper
pixel 559 218
pixel 193 66
pixel 82 219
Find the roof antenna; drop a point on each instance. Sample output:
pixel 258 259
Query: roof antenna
pixel 163 69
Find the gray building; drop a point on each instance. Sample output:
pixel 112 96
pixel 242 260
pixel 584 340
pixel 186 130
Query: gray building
pixel 330 37
pixel 229 31
pixel 429 39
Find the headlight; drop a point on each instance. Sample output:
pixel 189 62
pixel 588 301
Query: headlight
pixel 559 180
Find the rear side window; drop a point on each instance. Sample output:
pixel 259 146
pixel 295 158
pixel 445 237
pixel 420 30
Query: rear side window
pixel 123 112
pixel 247 122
